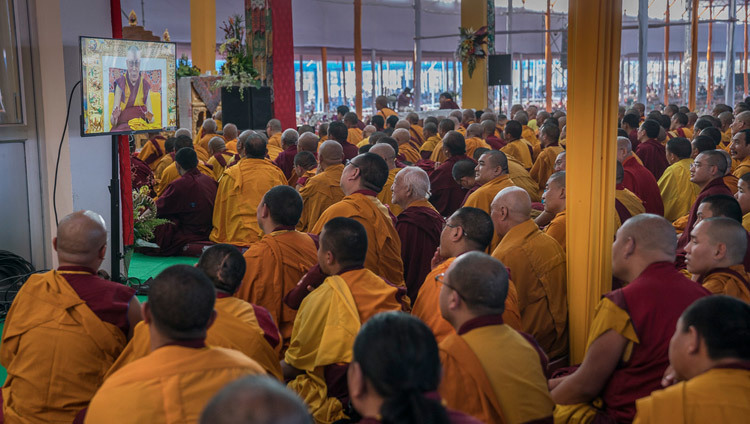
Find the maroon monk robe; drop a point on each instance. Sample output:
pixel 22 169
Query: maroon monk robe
pixel 350 150
pixel 716 186
pixel 447 195
pixel 468 193
pixel 189 203
pixel 285 160
pixel 633 136
pixel 654 157
pixel 107 300
pixel 654 320
pixel 415 137
pixel 223 161
pixel 141 174
pixel 642 183
pixel 449 104
pixel 419 228
pixel 495 143
pixel 130 111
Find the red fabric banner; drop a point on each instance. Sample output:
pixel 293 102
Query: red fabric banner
pixel 284 106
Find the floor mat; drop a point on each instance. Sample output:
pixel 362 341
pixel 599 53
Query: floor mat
pixel 144 267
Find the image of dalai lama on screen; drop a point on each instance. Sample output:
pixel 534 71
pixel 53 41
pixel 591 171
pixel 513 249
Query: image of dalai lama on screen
pixel 131 100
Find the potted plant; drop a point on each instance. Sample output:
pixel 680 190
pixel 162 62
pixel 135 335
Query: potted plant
pixel 186 70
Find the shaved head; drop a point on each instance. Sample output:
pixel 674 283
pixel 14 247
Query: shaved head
pixel 401 135
pixel 230 132
pixel 557 178
pixel 274 125
pixel 308 142
pixel 412 117
pixel 653 235
pixel 482 281
pixel 183 131
pixel 81 236
pixel 216 145
pixel 209 126
pixel 384 150
pixel 730 233
pixel 331 153
pixel 403 123
pixel 368 130
pixel 516 200
pixel 474 130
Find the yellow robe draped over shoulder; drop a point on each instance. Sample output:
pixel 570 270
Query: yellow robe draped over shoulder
pixel 728 284
pixel 544 165
pixel 149 149
pixel 161 165
pixel 410 152
pixel 483 196
pixel 556 229
pixel 355 136
pixel 677 192
pixel 437 154
pixel 320 192
pixel 473 143
pixel 275 140
pixel 519 150
pixel 430 144
pixel 521 178
pixel 218 169
pixel 386 195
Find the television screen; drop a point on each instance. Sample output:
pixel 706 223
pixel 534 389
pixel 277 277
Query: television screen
pixel 127 86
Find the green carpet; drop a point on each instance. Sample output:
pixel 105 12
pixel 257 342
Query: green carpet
pixel 144 267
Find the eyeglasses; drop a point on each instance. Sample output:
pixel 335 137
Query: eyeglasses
pixel 446 224
pixel 440 278
pixel 351 162
pixel 133 62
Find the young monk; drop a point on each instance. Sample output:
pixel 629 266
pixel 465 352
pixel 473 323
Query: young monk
pixel 432 139
pixel 677 192
pixel 305 167
pixel 165 160
pixel 517 147
pixel 447 195
pixel 153 150
pixel 230 134
pixel 476 377
pixel 554 199
pixel 549 137
pixel 170 172
pixel 181 371
pixel 322 190
pixel 465 175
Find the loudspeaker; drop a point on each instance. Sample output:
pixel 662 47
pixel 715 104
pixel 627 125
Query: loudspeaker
pixel 261 108
pixel 499 69
pixel 251 110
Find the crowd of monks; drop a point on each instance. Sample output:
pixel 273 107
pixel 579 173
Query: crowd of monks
pixel 402 270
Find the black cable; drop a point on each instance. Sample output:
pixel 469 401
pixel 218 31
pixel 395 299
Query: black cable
pixel 59 149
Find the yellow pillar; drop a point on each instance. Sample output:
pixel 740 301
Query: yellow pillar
pixel 474 89
pixel 203 34
pixel 594 31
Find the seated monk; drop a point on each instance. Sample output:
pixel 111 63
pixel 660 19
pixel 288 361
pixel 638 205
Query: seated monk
pixel 544 165
pixel 729 179
pixel 347 295
pixel 361 181
pixel 467 230
pixel 709 353
pixel 285 159
pixel 308 143
pixel 181 371
pixel 239 325
pixel 305 167
pixel 65 328
pixel 537 265
pixel 431 140
pixel 476 377
pixel 743 197
pixel 208 132
pixel 528 134
pixel 230 134
pixel 677 192
pixel 447 195
pixel 395 372
pixel 517 147
pixel 628 340
pixel 678 127
pixel 444 127
pixel 153 150
pixel 324 189
pixel 355 136
pixel 279 260
pixel 489 131
pixel 715 254
pixel 273 131
pixel 627 204
pixel 740 151
pixel 465 175
pixel 554 200
pixel 240 190
pixel 418 226
pixel 323 131
pixel 560 162
pixel 722 205
pixel 255 400
pixel 338 132
pixel 381 104
pixel 221 157
pixel 650 150
pixel 132 91
pixel 167 159
pixel 474 139
pixel 385 151
pixel 367 131
pixel 408 151
pixel 416 130
pixel 170 173
pixel 492 176
pixel 638 179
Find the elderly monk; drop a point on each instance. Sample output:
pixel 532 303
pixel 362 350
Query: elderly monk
pixel 65 328
pixel 273 130
pixel 239 325
pixel 474 139
pixel 329 317
pixel 740 151
pixel 167 159
pixel 714 255
pixel 677 192
pixel 208 131
pixel 338 132
pixel 418 226
pixel 181 371
pixel 517 147
pixel 355 134
pixel 230 134
pixel 153 150
pixel 444 127
pixel 132 98
pixel 170 173
pixel 285 159
pixel 279 260
pixel 431 140
pixel 554 200
pixel 743 197
pixel 710 353
pixel 367 131
pixel 407 149
pixel 381 104
pixel 628 340
pixel 544 166
pixel 220 156
pixel 638 179
pixel 361 181
pixel 322 190
pixel 477 378
pixel 467 230
pixel 447 195
pixel 385 151
pixel 560 162
pixel 240 190
pixel 255 400
pixel 627 204
pixel 537 264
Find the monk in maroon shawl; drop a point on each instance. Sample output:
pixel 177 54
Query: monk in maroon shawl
pixel 339 132
pixel 189 203
pixel 489 128
pixel 638 179
pixel 446 101
pixel 707 171
pixel 131 99
pixel 419 226
pixel 285 159
pixel 447 195
pixel 630 123
pixel 650 150
pixel 628 342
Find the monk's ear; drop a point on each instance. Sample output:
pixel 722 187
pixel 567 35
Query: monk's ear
pixel 562 193
pixel 103 251
pixel 54 243
pixel 356 380
pixel 720 251
pixel 146 312
pixel 694 345
pixel 211 319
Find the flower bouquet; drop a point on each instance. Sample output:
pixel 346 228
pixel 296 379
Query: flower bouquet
pixel 144 217
pixel 470 46
pixel 237 71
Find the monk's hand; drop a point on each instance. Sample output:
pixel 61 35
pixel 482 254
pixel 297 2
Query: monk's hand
pixel 149 116
pixel 670 377
pixel 115 114
pixel 436 258
pixel 554 382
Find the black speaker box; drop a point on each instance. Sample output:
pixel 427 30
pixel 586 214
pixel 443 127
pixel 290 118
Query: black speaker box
pixel 499 69
pixel 251 110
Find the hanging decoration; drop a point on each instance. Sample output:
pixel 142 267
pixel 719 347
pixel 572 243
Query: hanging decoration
pixel 470 47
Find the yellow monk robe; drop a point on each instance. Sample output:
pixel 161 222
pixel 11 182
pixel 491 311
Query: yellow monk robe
pixel 170 174
pixel 680 223
pixel 162 164
pixel 275 140
pixel 726 140
pixel 677 192
pixel 742 168
pixel 236 327
pixel 386 195
pixel 431 144
pixel 495 374
pixel 437 154
pixel 364 142
pixel 203 142
pixel 355 136
pixel 529 135
pixel 231 146
pixel 170 385
pixel 733 281
pixel 219 125
pixel 521 178
pixel 320 192
pixel 56 352
pixel 482 199
pixel 294 179
pixel 632 203
pixel 218 168
pixel 731 182
pixel 519 150
pixel 681 132
pixel 273 151
pixel 719 395
pixel 462 130
pixel 149 149
pixel 427 305
pixel 746 221
pixel 386 112
pixel 473 143
pixel 274 266
pixel 544 165
pixel 241 188
pixel 418 131
pixel 537 266
pixel 556 229
pixel 410 152
pixel 383 242
pixel 327 323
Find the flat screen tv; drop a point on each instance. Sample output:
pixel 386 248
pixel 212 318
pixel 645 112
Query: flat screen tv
pixel 127 86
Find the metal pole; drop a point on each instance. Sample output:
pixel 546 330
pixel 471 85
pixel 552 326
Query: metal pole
pixel 358 83
pixel 548 58
pixel 114 204
pixel 642 50
pixel 729 83
pixel 693 55
pixel 509 48
pixel 665 85
pixel 417 55
pixel 343 80
pixel 300 93
pixel 710 58
pixel 372 66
